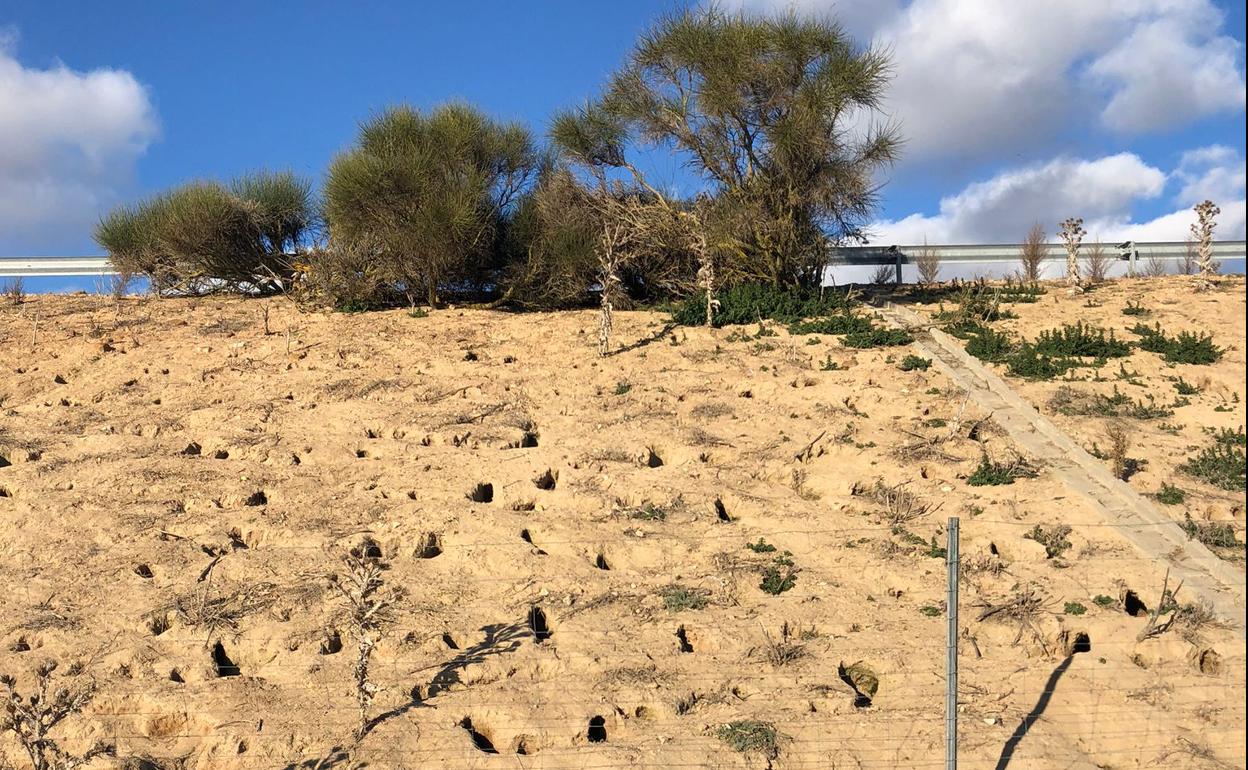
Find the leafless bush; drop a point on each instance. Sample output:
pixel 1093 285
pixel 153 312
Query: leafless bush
pixel 14 291
pixel 1099 262
pixel 1155 267
pixel 366 603
pixel 884 275
pixel 1025 608
pixel 784 650
pixel 1032 253
pixel 927 260
pixel 1119 443
pixel 900 504
pixel 33 717
pixel 1191 256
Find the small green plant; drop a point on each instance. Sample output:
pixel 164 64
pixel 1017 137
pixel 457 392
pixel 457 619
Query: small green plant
pixel 912 363
pixel 750 302
pixel 931 611
pixel 1029 363
pixel 1052 538
pixel 1135 308
pixel 829 365
pixel 677 597
pixel 762 546
pixel 751 736
pixel 1185 388
pixel 990 473
pixel 1074 608
pixel 780 575
pixel 648 512
pixel 878 338
pixel 1170 495
pixel 622 387
pixel 417 312
pixel 1101 600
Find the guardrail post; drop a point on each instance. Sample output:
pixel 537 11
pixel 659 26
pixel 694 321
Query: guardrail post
pixel 897 264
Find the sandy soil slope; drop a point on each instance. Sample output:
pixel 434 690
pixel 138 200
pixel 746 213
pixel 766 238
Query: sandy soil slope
pixel 178 485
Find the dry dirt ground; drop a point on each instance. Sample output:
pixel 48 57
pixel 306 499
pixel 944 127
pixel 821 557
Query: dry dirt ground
pixel 570 538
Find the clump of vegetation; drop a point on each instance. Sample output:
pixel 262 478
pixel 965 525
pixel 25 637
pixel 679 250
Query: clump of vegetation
pixel 1186 348
pixel 988 344
pixel 1081 341
pixel 622 387
pixel 208 236
pixel 1074 608
pixel 1072 402
pixel 914 363
pixel 749 303
pixel 780 575
pixel 762 546
pixel 1215 535
pixel 1022 291
pixel 878 338
pixel 1221 463
pixel 1029 363
pixel 1186 388
pixel 845 322
pixel 1101 600
pixel 751 736
pixel 990 473
pixel 1054 539
pixel 677 597
pixel 931 611
pixel 1170 495
pixel 829 365
pixel 648 512
pixel 31 718
pixel 1136 309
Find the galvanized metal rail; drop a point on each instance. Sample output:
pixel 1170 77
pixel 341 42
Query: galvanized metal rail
pixel 897 256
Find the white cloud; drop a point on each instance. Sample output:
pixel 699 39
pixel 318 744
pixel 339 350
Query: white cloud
pixel 1102 191
pixel 982 77
pixel 70 140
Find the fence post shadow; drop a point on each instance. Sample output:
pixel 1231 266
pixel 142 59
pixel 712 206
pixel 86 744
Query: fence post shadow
pixel 1037 711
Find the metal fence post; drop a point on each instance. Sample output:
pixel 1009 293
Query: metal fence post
pixel 898 266
pixel 951 695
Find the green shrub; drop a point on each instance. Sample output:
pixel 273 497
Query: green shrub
pixel 931 611
pixel 750 302
pixel 779 576
pixel 1026 292
pixel 1135 308
pixel 1186 348
pixel 1074 608
pixel 877 338
pixel 1029 363
pixel 1170 495
pixel 1186 388
pixel 1071 402
pixel 1081 341
pixel 762 546
pixel 914 363
pixel 990 345
pixel 1220 464
pixel 1101 600
pixel 844 322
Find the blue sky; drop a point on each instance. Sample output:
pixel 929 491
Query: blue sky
pixel 1014 112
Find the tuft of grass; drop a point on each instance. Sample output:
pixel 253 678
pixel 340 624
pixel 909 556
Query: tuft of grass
pixel 1170 495
pixel 914 363
pixel 622 387
pixel 648 512
pixel 1052 538
pixel 878 338
pixel 1081 341
pixel 990 473
pixel 751 736
pixel 1186 348
pixel 677 597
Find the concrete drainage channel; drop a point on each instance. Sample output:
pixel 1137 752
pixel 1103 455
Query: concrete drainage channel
pixel 1134 516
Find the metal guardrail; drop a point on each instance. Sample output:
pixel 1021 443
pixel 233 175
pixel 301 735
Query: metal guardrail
pixel 1132 253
